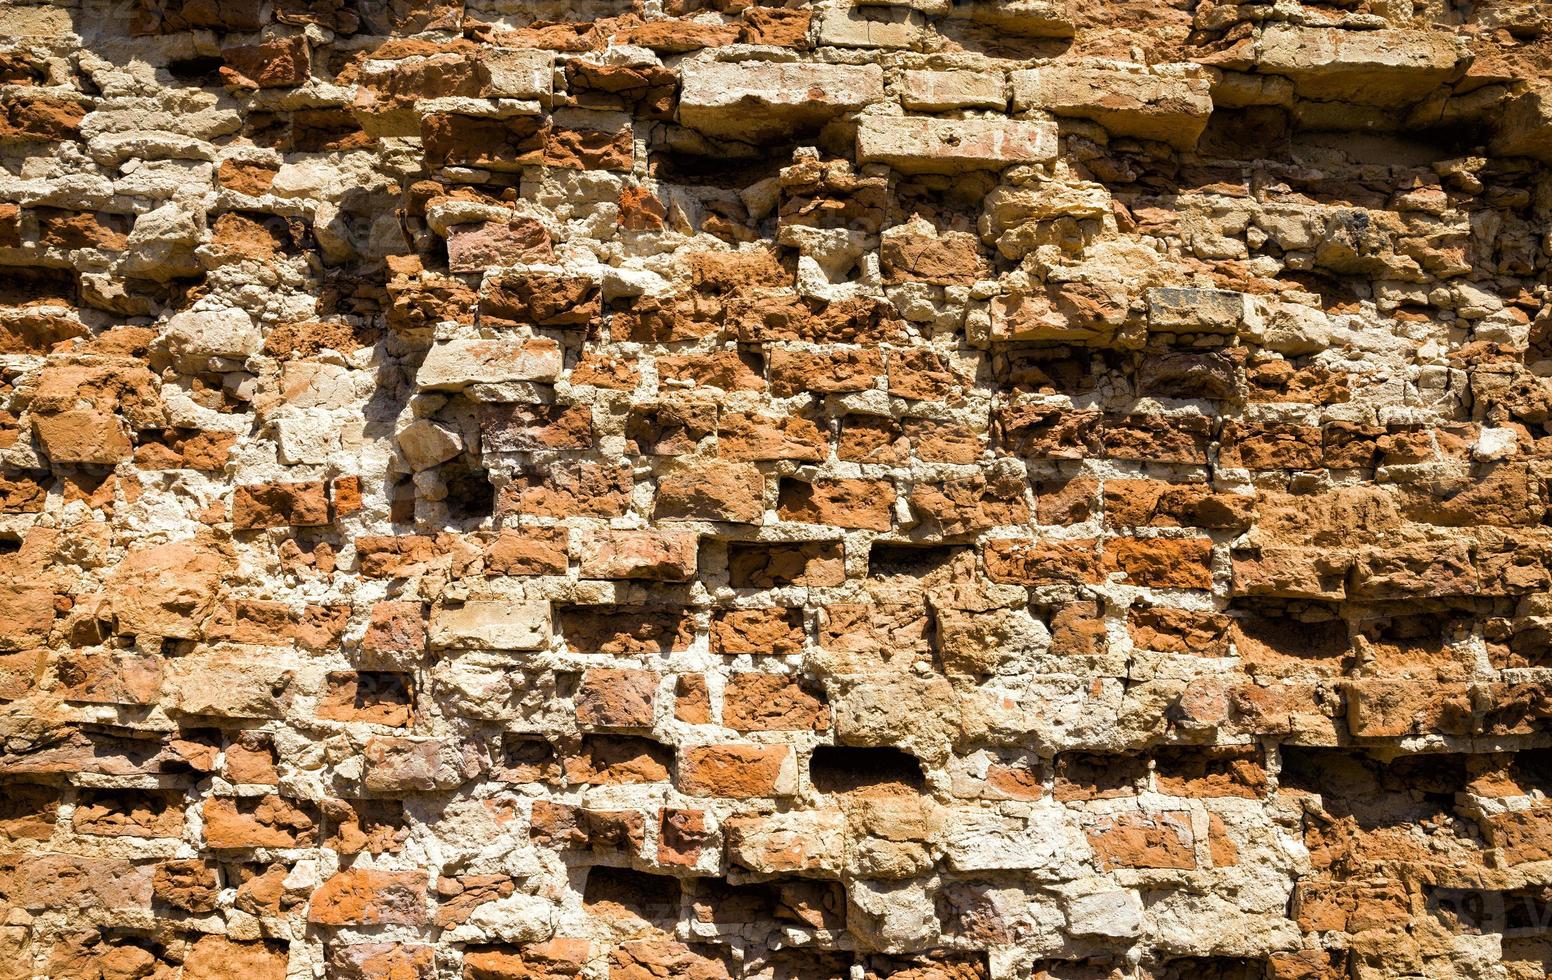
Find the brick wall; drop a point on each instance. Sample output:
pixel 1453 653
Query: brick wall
pixel 795 489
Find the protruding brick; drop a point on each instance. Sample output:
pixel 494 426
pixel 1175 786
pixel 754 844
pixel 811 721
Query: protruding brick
pixel 1169 103
pixel 922 145
pixel 662 556
pixel 758 100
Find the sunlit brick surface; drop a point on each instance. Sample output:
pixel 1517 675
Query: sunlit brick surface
pixel 921 489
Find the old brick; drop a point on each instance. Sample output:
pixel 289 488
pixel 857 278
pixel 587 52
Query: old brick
pixel 827 373
pixel 1144 840
pixel 969 506
pixel 624 629
pixel 570 489
pixel 395 629
pixel 1042 563
pixel 758 437
pixel 692 699
pixel 457 364
pixel 475 246
pixel 610 759
pixel 1172 563
pixel 772 630
pixel 365 826
pixel 643 959
pixel 711 491
pixel 359 897
pixel 490 624
pixel 251 758
pixel 663 556
pixel 44 880
pixel 381 961
pixel 682 835
pixel 865 504
pixel 800 841
pixel 280 63
pixel 555 959
pixel 738 771
pixel 762 100
pixel 396 764
pixel 263 821
pixel 375 697
pixel 263 505
pixel 771 702
pixel 526 428
pixel 947 146
pixel 617 698
pixel 189 885
pixel 815 563
pixel 213 957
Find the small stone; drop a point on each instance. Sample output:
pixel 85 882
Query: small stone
pixel 194 337
pixel 426 444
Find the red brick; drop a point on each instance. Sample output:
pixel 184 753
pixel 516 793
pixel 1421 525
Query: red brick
pixel 617 698
pixel 692 699
pixel 360 897
pixel 216 958
pixel 260 505
pixel 555 959
pixel 1020 562
pixel 682 835
pixel 257 821
pixel 772 630
pixel 772 702
pixel 865 504
pixel 662 556
pixel 1144 840
pixel 1165 563
pixel 711 491
pixel 738 771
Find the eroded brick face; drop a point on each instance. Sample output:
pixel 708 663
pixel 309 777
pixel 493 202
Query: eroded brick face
pixel 775 489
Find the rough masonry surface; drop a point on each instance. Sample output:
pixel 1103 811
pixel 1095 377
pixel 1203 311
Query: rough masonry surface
pixel 780 489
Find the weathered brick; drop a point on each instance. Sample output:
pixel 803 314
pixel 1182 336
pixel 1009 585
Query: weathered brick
pixel 771 702
pixel 662 556
pixel 1144 840
pixel 738 771
pixel 359 897
pixel 953 145
pixel 756 566
pixel 1170 563
pixel 264 821
pixel 617 698
pixel 711 491
pixel 279 504
pixel 771 630
pixel 491 624
pixel 754 101
pixel 454 517
pixel 863 504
